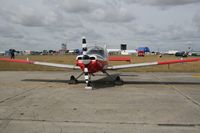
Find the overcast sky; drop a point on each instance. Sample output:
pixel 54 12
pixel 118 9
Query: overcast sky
pixel 45 24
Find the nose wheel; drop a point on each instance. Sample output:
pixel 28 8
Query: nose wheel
pixel 87 76
pixel 89 86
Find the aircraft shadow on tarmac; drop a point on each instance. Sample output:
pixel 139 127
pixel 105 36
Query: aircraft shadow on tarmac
pixel 106 82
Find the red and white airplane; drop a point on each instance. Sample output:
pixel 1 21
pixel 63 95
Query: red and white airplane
pixel 95 59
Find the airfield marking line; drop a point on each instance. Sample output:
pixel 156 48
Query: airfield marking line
pixel 180 92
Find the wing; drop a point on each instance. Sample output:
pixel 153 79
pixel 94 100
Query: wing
pixel 152 63
pixel 40 63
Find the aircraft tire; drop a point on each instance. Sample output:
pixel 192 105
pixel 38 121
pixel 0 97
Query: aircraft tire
pixel 72 80
pixel 118 81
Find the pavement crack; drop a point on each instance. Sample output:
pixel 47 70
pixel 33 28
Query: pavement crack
pixel 6 122
pixel 108 123
pixel 186 96
pixel 9 98
pixel 179 125
pixel 180 92
pixel 22 93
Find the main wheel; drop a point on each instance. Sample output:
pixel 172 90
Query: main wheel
pixel 118 81
pixel 73 80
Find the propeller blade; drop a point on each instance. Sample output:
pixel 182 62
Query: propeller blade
pixel 84 45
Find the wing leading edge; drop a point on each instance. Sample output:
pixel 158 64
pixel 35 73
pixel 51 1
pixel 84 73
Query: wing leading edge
pixel 152 63
pixel 40 63
pixel 109 68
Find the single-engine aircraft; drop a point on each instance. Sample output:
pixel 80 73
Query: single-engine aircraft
pixel 95 59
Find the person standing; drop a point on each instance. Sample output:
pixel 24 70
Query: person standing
pixel 12 53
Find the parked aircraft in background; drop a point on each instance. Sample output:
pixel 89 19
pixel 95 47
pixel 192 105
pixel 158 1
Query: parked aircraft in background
pixel 95 59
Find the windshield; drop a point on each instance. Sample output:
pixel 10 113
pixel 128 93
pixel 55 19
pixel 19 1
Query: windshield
pixel 96 50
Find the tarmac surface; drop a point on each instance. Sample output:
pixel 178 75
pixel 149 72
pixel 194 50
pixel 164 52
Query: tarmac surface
pixel 43 102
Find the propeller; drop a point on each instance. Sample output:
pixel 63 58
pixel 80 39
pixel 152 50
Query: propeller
pixel 86 60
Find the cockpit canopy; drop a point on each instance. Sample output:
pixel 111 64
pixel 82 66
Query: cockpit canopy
pixel 96 50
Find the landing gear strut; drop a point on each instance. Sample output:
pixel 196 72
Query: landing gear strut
pixel 87 77
pixel 117 80
pixel 74 80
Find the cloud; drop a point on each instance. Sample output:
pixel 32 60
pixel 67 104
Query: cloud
pixel 170 2
pixel 163 2
pixel 113 15
pixel 196 21
pixel 76 6
pixel 45 24
pixel 27 15
pixel 8 31
pixel 95 11
pixel 113 12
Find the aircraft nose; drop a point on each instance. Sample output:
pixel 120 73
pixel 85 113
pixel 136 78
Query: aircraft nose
pixel 86 59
